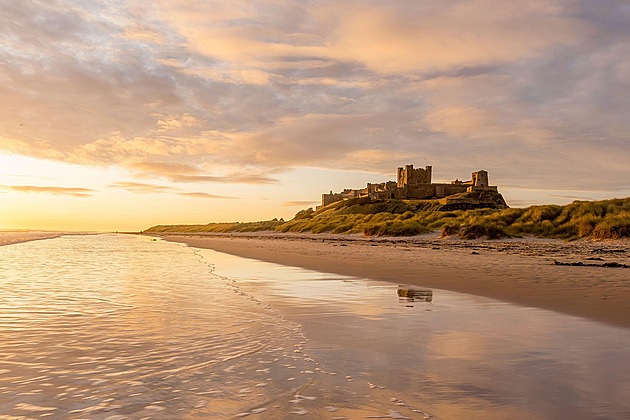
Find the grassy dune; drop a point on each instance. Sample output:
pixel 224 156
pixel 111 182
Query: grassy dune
pixel 607 219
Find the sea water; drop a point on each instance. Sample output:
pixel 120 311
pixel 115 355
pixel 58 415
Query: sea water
pixel 116 326
pixel 119 326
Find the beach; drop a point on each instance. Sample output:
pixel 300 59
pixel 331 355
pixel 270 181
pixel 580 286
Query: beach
pixel 521 272
pixel 19 236
pixel 126 326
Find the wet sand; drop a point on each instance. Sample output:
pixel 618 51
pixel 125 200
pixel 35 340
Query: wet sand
pixel 520 272
pixel 443 353
pixel 19 236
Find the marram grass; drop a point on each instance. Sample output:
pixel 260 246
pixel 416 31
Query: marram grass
pixel 607 219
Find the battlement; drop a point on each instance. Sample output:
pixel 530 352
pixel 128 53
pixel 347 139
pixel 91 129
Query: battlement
pixel 410 176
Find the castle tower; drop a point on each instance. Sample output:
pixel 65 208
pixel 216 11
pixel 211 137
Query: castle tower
pixel 410 176
pixel 480 178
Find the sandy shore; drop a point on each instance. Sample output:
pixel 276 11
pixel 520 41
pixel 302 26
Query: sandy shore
pixel 520 272
pixel 16 237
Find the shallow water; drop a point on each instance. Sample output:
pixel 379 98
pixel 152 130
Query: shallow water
pixel 107 326
pixel 116 326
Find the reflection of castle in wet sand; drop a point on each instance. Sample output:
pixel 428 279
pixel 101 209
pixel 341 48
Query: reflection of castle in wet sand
pixel 415 294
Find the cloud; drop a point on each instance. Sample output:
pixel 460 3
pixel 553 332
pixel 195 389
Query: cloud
pixel 162 168
pixel 300 203
pixel 144 34
pixel 235 92
pixel 141 187
pixel 410 36
pixel 227 179
pixel 76 192
pixel 40 178
pixel 171 123
pixel 145 188
pixel 337 141
pixel 187 173
pixel 571 197
pixel 231 76
pixel 305 139
pixel 460 121
pixel 377 158
pixel 419 38
pixel 205 195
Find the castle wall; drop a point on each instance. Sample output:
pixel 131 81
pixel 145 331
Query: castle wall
pixel 346 194
pixel 413 184
pixel 420 191
pixel 473 188
pixel 330 198
pixel 450 189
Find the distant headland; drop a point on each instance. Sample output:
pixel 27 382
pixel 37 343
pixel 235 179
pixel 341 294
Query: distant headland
pixel 414 205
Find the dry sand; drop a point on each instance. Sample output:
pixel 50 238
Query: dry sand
pixel 520 272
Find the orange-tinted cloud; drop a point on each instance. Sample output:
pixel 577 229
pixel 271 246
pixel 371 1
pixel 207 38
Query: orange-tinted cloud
pixel 300 203
pixel 418 37
pixel 146 188
pixel 76 192
pixel 229 179
pixel 407 36
pixel 141 187
pixel 205 195
pixel 187 173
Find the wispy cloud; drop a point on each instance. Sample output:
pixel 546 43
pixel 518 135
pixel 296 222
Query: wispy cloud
pixel 205 195
pixel 141 187
pixel 146 188
pixel 300 203
pixel 227 179
pixel 521 203
pixel 188 173
pixel 571 197
pixel 41 178
pixel 76 192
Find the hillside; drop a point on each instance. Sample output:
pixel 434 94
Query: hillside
pixel 463 216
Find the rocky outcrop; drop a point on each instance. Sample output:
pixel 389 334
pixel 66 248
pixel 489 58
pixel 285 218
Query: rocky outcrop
pixel 473 200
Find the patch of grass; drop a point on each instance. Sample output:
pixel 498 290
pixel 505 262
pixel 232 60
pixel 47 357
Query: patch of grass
pixel 264 225
pixel 450 229
pixel 480 230
pixel 607 219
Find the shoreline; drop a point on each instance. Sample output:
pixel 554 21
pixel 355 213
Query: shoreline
pixel 519 272
pixel 12 237
pixel 18 237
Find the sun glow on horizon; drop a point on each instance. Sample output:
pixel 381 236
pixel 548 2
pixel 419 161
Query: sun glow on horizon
pixel 48 195
pixel 110 199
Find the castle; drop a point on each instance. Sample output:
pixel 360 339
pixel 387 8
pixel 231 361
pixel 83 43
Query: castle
pixel 413 184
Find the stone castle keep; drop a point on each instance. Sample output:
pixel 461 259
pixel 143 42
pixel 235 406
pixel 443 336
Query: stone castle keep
pixel 413 184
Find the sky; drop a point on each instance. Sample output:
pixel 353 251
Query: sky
pixel 123 114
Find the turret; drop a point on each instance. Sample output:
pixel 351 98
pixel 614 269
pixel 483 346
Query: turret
pixel 480 178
